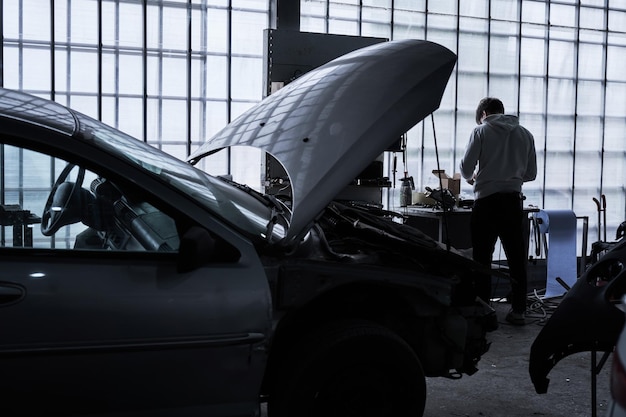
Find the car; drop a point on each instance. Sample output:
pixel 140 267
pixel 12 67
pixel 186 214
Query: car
pixel 134 283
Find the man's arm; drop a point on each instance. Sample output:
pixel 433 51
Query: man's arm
pixel 531 164
pixel 470 159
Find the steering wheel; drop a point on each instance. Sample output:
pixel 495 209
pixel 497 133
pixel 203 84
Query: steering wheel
pixel 63 206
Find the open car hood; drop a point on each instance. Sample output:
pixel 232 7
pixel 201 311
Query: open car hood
pixel 329 124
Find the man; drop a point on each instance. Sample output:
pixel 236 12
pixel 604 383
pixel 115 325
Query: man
pixel 499 158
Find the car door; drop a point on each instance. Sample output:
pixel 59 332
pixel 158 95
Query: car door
pixel 106 321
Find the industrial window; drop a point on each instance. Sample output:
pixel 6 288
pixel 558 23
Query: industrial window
pixel 171 73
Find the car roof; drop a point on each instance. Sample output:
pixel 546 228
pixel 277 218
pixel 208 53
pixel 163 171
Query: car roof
pixel 38 111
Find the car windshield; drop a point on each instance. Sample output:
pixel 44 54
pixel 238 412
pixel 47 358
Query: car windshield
pixel 243 209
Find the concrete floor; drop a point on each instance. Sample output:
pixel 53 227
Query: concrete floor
pixel 502 386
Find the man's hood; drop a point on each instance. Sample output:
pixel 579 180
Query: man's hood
pixel 329 124
pixel 506 122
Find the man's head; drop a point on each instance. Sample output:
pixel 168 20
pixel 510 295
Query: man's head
pixel 487 106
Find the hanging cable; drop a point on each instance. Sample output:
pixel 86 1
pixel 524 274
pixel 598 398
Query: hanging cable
pixel 444 218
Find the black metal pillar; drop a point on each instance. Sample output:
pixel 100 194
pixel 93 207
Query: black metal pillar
pixel 285 14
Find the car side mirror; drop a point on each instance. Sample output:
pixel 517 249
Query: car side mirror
pixel 196 249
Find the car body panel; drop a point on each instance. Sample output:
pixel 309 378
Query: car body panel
pixel 329 124
pixel 126 320
pixel 585 320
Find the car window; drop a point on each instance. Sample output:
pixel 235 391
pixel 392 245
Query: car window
pixel 47 202
pixel 237 206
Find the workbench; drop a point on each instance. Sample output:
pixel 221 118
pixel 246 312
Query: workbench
pixel 430 220
pixel 455 230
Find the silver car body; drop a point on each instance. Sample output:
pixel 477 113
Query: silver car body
pixel 157 289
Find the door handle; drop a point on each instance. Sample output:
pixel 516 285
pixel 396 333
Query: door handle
pixel 11 293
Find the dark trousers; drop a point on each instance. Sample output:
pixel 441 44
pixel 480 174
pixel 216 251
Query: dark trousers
pixel 501 215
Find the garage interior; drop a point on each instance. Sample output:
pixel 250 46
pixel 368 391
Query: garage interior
pixel 173 73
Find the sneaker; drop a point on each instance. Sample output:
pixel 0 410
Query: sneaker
pixel 516 319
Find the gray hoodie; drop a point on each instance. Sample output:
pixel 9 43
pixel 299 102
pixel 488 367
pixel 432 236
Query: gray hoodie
pixel 500 156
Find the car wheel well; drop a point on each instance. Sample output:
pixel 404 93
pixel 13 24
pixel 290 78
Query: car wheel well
pixel 391 307
pixel 349 365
